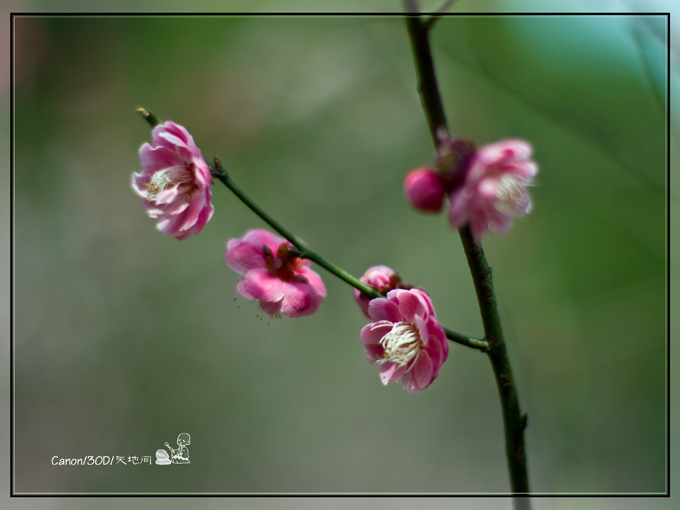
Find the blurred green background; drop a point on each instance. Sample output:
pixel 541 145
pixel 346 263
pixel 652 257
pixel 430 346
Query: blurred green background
pixel 125 337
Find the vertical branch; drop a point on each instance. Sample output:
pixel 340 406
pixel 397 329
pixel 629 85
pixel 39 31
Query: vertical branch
pixel 513 420
pixel 427 81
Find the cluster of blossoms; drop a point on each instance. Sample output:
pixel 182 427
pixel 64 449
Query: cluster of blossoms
pixel 486 189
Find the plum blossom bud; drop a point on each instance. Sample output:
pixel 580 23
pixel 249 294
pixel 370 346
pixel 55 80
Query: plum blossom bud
pixel 424 190
pixel 275 275
pixel 406 342
pixel 494 190
pixel 382 279
pixel 175 182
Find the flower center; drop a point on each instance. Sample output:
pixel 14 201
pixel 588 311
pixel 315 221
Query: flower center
pixel 179 177
pixel 284 263
pixel 401 345
pixel 511 193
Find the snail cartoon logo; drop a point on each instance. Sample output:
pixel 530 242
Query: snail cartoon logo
pixel 162 457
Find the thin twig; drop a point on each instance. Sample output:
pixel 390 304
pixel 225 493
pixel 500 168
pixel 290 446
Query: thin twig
pixel 429 22
pixel 307 253
pixel 470 341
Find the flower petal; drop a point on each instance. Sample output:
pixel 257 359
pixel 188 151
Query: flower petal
pixel 204 217
pixel 191 214
pixel 154 159
pixel 261 284
pixel 261 238
pixel 241 288
pixel 299 299
pixel 243 256
pixel 271 307
pixel 314 280
pixel 391 372
pixel 421 374
pixel 459 207
pixel 372 333
pixel 384 309
pixel 410 305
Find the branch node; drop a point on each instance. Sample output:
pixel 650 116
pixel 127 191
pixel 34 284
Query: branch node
pixel 219 170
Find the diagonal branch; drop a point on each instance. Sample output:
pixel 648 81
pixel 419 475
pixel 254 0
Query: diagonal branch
pixel 306 252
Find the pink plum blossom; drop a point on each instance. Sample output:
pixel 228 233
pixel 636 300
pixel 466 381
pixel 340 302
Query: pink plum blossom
pixel 274 274
pixel 406 342
pixel 175 182
pixel 425 190
pixel 382 279
pixel 494 189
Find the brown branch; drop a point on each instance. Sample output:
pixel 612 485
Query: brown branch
pixel 513 420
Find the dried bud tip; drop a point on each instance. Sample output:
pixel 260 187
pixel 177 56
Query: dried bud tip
pixel 219 169
pixel 149 116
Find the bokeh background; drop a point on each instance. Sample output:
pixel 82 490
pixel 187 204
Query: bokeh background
pixel 124 338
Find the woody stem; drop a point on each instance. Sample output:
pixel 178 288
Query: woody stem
pixel 514 422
